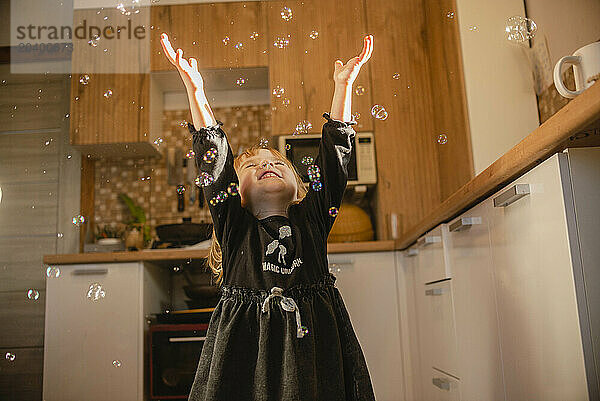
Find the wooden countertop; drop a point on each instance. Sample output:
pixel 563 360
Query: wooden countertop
pixel 182 255
pixel 550 137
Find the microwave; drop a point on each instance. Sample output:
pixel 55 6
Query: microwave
pixel 362 168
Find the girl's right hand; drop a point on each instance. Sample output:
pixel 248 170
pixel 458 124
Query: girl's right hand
pixel 187 70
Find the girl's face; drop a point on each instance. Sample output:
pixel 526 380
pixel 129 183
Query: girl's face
pixel 265 177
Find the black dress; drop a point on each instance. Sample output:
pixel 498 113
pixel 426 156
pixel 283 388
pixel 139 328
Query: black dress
pixel 280 330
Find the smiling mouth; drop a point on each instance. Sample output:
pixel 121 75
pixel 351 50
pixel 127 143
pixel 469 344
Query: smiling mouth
pixel 269 174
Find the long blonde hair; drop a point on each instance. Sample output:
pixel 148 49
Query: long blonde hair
pixel 215 256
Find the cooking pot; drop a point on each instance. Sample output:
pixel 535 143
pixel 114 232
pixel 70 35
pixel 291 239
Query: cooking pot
pixel 186 233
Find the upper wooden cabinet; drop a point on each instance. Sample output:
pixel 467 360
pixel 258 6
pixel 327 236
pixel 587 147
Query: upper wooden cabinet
pixel 304 67
pixel 200 30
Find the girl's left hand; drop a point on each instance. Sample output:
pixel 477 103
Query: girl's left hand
pixel 346 74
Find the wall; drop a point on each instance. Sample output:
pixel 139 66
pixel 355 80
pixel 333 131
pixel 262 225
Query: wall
pixel 500 95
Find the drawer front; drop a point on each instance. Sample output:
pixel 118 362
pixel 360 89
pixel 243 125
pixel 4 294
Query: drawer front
pixel 439 310
pixel 443 387
pixel 432 260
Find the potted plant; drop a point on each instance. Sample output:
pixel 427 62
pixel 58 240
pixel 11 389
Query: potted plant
pixel 138 233
pixel 108 234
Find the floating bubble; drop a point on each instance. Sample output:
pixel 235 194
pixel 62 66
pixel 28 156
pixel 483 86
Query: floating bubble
pixel 176 269
pixel 78 220
pixel 116 363
pixel 313 35
pixel 286 13
pixel 226 40
pixel 210 155
pixel 359 90
pixel 473 28
pixel 183 123
pixel 221 196
pixel 233 189
pixel 158 141
pixel 204 179
pixel 263 143
pixel 450 14
pixel 84 79
pixel 302 331
pixel 333 211
pixel 108 93
pixel 10 356
pixel 95 292
pixel 303 127
pixel 33 294
pixel 180 189
pixel 285 102
pixel 94 41
pixel 520 29
pixel 254 35
pixel 316 185
pixel 288 146
pixel 314 173
pixel 132 9
pixel 190 154
pixel 307 160
pixel 396 75
pixel 379 112
pixel 278 91
pixel 356 115
pixel 240 81
pixel 239 46
pixel 442 139
pixel 213 201
pixel 52 272
pixel 281 43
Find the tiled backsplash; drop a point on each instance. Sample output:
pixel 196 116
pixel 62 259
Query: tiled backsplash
pixel 145 180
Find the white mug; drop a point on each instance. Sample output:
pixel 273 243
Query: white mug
pixel 586 68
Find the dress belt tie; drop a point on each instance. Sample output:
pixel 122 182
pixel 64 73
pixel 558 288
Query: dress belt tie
pixel 287 304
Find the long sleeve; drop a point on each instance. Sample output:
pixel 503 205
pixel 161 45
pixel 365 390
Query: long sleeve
pixel 214 161
pixel 329 173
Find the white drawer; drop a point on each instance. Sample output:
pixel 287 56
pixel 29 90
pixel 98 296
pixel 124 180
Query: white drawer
pixel 440 327
pixel 432 257
pixel 443 387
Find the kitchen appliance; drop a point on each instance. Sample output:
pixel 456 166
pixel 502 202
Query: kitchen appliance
pixel 174 353
pixel 186 233
pixel 362 168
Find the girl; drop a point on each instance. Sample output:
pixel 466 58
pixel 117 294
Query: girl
pixel 280 330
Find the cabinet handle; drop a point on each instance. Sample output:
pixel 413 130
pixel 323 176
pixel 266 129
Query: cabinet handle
pixel 434 291
pixel 83 272
pixel 444 384
pixel 411 252
pixel 185 339
pixel 511 195
pixel 428 240
pixel 464 223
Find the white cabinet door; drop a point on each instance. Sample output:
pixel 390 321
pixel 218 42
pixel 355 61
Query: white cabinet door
pixel 539 324
pixel 445 388
pixel 367 282
pixel 84 337
pixel 480 363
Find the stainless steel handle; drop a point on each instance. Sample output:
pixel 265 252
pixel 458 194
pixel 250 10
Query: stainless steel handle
pixel 444 384
pixel 428 240
pixel 511 195
pixel 464 223
pixel 434 291
pixel 87 272
pixel 185 339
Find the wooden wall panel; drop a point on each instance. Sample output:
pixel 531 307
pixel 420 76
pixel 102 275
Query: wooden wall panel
pixel 450 118
pixel 305 67
pixel 22 319
pixel 21 379
pixel 408 172
pixel 199 29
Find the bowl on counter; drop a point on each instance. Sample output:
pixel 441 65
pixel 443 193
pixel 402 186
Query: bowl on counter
pixel 186 233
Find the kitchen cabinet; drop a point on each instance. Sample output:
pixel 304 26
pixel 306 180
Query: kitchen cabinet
pixel 94 349
pixel 367 282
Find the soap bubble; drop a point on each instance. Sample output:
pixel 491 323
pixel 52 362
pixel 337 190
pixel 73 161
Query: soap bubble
pixel 263 143
pixel 278 91
pixel 379 112
pixel 303 330
pixel 520 29
pixel 52 271
pixel 226 40
pixel 210 155
pixel 316 185
pixel 288 146
pixel 33 294
pixel 233 189
pixel 116 363
pixel 303 127
pixel 286 13
pixel 180 189
pixel 190 154
pixel 356 115
pixel 313 34
pixel 10 356
pixel 183 123
pixel 359 90
pixel 281 43
pixel 158 141
pixel 213 201
pixel 221 196
pixel 254 35
pixel 333 211
pixel 307 160
pixel 78 220
pixel 450 14
pixel 95 292
pixel 108 93
pixel 241 81
pixel 132 9
pixel 94 41
pixel 442 139
pixel 314 173
pixel 285 102
pixel 239 46
pixel 396 75
pixel 473 28
pixel 204 179
pixel 84 79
